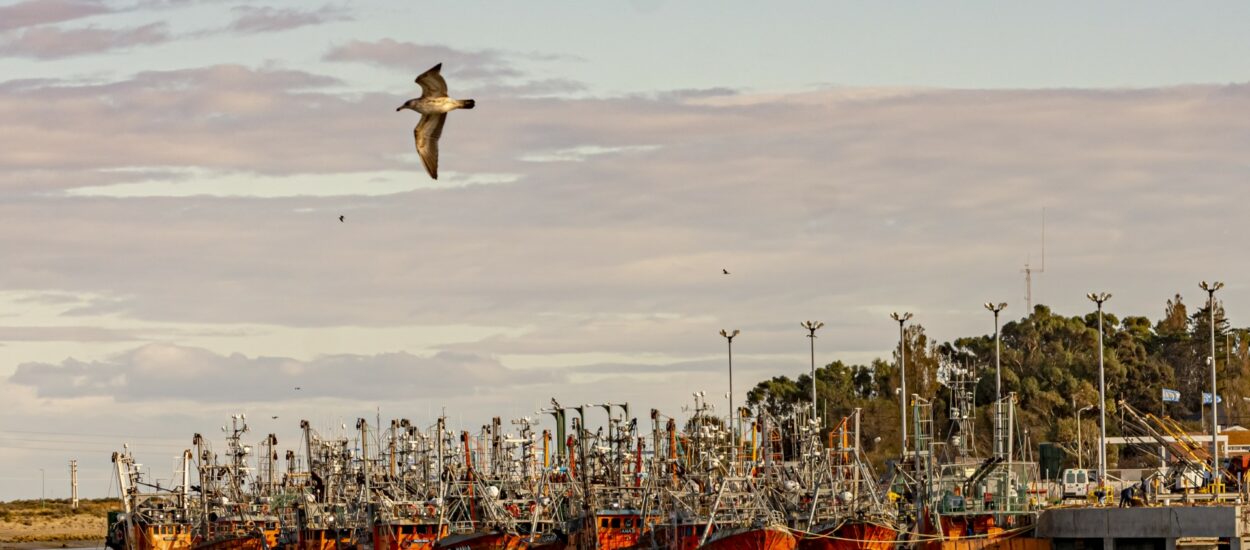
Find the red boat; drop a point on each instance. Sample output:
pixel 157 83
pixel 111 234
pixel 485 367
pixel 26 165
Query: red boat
pixel 240 533
pixel 687 537
pixel 850 535
pixel 407 536
pixel 483 540
pixel 765 538
pixel 325 539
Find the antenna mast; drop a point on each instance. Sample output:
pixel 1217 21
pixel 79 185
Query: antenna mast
pixel 1029 271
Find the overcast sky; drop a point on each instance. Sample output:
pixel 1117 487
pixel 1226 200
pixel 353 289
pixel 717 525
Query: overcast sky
pixel 172 173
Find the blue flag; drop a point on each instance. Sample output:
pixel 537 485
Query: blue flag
pixel 1171 396
pixel 1206 398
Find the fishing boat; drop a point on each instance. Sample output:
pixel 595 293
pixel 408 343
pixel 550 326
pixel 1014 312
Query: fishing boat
pixel 152 518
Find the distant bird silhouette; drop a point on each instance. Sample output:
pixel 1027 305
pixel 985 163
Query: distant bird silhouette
pixel 275 418
pixel 297 388
pixel 340 219
pixel 725 271
pixel 433 106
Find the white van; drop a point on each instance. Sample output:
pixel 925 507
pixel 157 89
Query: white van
pixel 1077 483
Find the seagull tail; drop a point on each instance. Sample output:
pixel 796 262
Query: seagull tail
pixel 467 104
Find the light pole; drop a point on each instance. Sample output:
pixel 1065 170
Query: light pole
pixel 733 434
pixel 902 376
pixel 42 478
pixel 998 379
pixel 811 327
pixel 1080 464
pixel 1215 410
pixel 1099 298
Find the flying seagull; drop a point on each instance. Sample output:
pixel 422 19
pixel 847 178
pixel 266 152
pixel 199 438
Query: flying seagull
pixel 725 271
pixel 433 106
pixel 340 219
pixel 297 388
pixel 275 418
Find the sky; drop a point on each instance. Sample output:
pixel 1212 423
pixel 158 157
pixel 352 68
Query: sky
pixel 172 173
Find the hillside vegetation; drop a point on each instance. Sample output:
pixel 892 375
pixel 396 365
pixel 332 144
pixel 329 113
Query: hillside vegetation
pixel 1050 362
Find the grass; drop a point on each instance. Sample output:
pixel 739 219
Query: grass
pixel 54 519
pixel 33 510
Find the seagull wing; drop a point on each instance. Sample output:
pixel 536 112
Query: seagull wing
pixel 427 133
pixel 432 83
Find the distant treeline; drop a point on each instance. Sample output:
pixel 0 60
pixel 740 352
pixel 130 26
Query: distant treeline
pixel 1051 363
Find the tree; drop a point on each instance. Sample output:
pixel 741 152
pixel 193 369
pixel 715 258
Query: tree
pixel 1050 362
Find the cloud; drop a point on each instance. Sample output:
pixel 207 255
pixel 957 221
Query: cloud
pixel 823 205
pixel 53 42
pixel 205 183
pixel 416 58
pixel 32 35
pixel 41 12
pixel 158 372
pixel 207 116
pixel 583 152
pixel 64 334
pixel 257 19
pixel 528 89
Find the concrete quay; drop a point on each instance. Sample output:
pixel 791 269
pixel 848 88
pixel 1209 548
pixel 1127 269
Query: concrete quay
pixel 1151 528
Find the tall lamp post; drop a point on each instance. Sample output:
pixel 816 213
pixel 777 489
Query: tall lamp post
pixel 1099 298
pixel 1215 410
pixel 902 376
pixel 998 379
pixel 733 433
pixel 812 327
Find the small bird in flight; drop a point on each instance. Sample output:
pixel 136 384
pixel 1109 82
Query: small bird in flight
pixel 725 271
pixel 297 388
pixel 340 219
pixel 433 106
pixel 275 418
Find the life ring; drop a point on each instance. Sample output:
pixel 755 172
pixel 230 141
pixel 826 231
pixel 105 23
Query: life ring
pixel 514 510
pixel 430 510
pixel 532 506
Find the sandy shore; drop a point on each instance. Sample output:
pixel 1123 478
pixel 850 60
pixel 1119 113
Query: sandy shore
pixel 55 530
pixel 38 545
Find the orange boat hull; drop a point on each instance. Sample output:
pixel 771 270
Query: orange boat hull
pixel 407 536
pixel 852 536
pixel 234 543
pixel 981 532
pixel 768 538
pixel 155 537
pixel 323 539
pixel 997 543
pixel 482 541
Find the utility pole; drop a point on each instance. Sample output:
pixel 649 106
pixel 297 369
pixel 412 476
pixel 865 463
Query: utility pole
pixel 73 484
pixel 1099 298
pixel 811 327
pixel 733 434
pixel 998 381
pixel 902 377
pixel 1215 411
